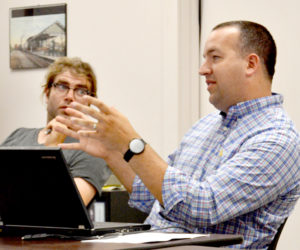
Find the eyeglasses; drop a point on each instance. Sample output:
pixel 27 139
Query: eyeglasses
pixel 64 89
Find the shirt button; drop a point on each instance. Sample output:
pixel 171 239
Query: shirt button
pixel 221 152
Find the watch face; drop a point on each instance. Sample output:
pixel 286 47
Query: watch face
pixel 137 146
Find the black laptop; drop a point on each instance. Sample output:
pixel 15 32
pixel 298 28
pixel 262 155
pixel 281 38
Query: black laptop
pixel 38 195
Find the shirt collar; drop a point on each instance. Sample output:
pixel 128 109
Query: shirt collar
pixel 244 108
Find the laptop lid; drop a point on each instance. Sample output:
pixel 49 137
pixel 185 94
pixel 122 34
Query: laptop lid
pixel 38 194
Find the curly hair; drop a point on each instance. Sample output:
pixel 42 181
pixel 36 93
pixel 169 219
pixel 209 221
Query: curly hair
pixel 75 65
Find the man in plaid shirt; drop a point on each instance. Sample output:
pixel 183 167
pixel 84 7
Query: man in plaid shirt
pixel 236 171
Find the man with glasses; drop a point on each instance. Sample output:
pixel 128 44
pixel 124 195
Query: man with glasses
pixel 67 80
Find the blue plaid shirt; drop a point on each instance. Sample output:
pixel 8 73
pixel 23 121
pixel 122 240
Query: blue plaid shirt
pixel 233 174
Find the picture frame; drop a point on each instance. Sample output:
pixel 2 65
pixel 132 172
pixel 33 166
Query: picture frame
pixel 38 35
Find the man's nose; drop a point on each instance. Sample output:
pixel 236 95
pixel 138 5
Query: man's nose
pixel 204 69
pixel 70 94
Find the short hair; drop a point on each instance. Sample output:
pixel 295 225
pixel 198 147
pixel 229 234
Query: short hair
pixel 75 65
pixel 256 38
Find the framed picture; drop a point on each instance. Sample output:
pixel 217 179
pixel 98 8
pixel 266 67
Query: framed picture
pixel 37 36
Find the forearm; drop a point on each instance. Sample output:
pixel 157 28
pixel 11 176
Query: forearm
pixel 121 170
pixel 140 196
pixel 86 190
pixel 150 168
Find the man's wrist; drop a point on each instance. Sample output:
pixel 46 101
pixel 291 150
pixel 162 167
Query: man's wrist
pixel 135 147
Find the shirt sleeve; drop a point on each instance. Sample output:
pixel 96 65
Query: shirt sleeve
pixel 265 166
pixel 140 197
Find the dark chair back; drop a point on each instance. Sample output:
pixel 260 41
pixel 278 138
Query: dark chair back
pixel 273 244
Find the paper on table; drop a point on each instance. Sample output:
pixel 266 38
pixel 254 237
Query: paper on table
pixel 145 237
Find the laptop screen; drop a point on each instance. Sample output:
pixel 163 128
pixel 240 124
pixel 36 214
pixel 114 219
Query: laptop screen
pixel 36 189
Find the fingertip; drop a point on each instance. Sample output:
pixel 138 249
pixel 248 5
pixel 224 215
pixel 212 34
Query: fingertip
pixel 89 99
pixel 73 104
pixel 58 117
pixel 62 146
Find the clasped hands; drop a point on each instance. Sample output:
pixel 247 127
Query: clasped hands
pixel 110 135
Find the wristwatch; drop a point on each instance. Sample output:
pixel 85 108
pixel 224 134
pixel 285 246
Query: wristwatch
pixel 136 146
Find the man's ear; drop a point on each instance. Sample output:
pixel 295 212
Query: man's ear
pixel 253 61
pixel 47 93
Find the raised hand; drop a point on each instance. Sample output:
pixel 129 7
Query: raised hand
pixel 111 133
pixel 88 144
pixel 49 137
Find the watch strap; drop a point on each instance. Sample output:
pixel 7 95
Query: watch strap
pixel 129 154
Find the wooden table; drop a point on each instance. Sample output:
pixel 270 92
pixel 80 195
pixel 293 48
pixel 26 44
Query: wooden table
pixel 17 243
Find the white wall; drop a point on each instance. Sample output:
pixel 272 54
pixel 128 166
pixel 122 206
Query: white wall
pixel 134 47
pixel 282 19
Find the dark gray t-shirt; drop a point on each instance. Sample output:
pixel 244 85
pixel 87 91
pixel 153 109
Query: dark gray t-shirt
pixel 92 169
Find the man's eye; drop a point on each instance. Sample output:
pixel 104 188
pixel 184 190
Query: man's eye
pixel 82 91
pixel 216 57
pixel 62 86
